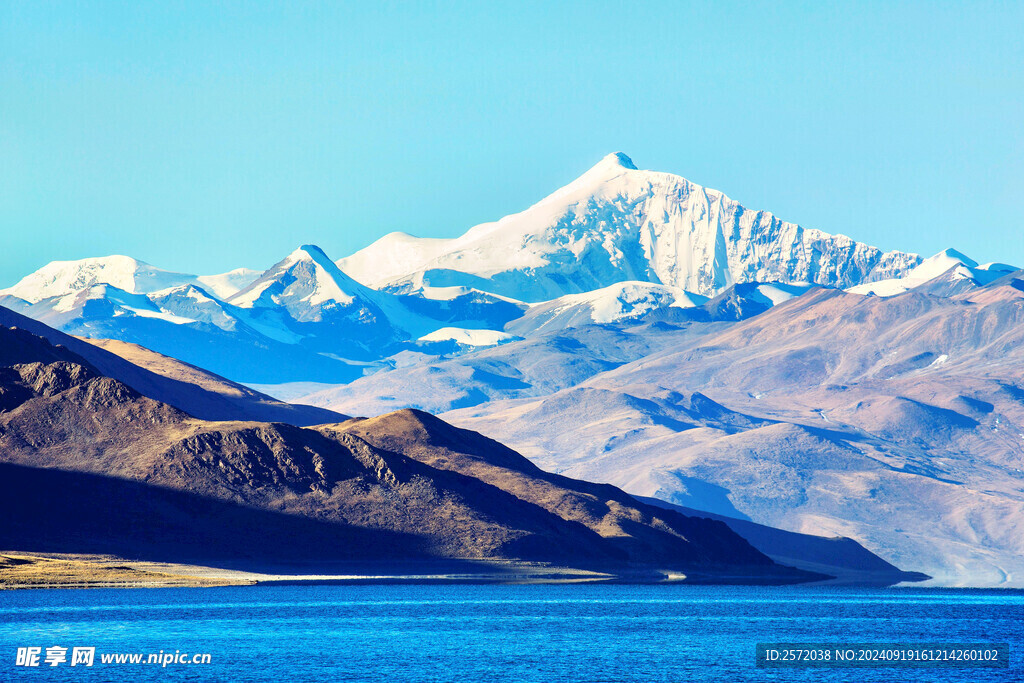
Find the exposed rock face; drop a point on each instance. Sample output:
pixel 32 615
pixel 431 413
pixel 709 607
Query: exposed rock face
pixel 637 530
pixel 409 485
pixel 197 391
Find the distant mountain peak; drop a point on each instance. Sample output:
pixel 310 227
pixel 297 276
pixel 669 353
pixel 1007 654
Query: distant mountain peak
pixel 618 159
pixel 953 255
pixel 123 272
pixel 307 274
pixel 946 269
pixel 616 223
pixel 611 166
pixel 309 251
pixel 325 267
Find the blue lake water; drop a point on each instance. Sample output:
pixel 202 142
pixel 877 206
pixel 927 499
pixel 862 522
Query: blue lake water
pixel 495 633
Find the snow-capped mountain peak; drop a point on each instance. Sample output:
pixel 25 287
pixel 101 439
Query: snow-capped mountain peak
pixel 189 291
pixel 611 166
pixel 941 262
pixel 619 159
pixel 227 284
pixel 307 277
pixel 616 245
pixel 59 278
pixel 616 223
pixel 392 256
pixel 950 263
pixel 306 252
pixel 593 182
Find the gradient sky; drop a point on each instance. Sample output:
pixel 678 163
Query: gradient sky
pixel 202 137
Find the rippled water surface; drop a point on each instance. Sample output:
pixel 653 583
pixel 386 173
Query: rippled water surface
pixel 494 633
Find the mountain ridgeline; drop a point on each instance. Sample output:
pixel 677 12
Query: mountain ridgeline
pixel 616 244
pixel 405 487
pixel 633 328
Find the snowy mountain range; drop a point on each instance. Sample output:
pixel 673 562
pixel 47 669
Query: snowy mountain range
pixel 302 319
pixel 636 328
pixel 617 244
pixel 614 224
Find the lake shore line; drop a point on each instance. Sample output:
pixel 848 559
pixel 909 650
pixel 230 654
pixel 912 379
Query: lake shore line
pixel 24 570
pixel 21 570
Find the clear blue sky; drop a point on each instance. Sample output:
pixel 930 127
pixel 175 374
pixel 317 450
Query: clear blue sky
pixel 202 137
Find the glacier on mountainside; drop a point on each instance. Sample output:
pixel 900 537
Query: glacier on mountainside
pixel 616 223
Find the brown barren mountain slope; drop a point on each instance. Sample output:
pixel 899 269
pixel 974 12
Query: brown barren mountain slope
pixel 640 531
pixel 898 422
pixel 199 392
pixel 88 460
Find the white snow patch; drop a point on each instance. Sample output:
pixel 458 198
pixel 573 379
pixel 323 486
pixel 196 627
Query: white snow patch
pixel 627 301
pixel 66 303
pixel 393 255
pixel 159 315
pixel 777 292
pixel 277 333
pixel 469 337
pixel 227 284
pixel 247 299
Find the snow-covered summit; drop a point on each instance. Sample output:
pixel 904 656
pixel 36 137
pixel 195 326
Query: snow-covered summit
pixel 948 263
pixel 622 302
pixel 59 278
pixel 304 277
pixel 392 256
pixel 616 223
pixel 469 338
pixel 227 284
pixel 310 289
pixel 608 169
pixel 617 159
